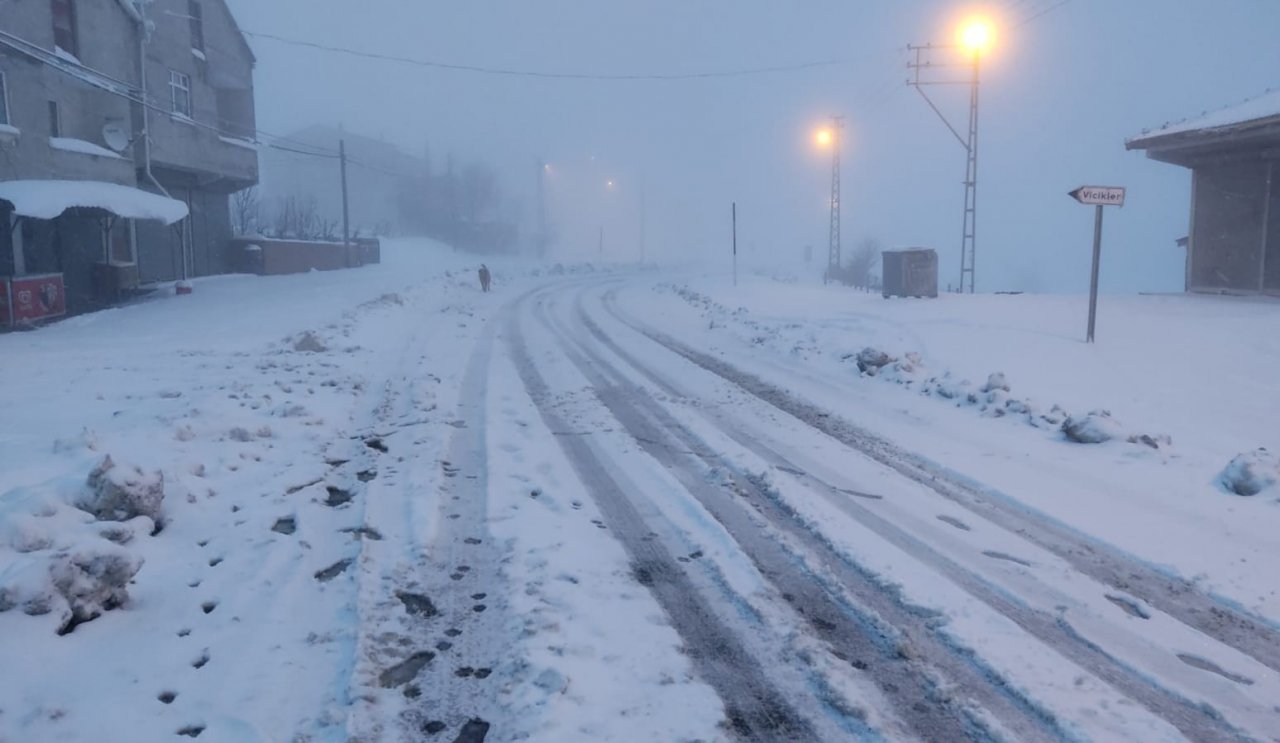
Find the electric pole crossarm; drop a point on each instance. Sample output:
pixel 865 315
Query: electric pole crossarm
pixel 950 128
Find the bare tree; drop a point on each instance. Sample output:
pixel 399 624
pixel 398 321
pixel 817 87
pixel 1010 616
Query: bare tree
pixel 246 212
pixel 864 260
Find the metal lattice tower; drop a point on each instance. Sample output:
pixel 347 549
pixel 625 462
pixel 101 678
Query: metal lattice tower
pixel 969 233
pixel 833 249
pixel 969 237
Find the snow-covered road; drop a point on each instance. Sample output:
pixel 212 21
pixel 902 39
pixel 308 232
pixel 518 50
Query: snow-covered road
pixel 577 510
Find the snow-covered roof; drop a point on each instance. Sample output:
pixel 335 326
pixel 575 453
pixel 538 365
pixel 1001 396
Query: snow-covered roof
pixel 48 199
pixel 1261 109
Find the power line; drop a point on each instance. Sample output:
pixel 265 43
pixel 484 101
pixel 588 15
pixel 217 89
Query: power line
pixel 1042 13
pixel 509 72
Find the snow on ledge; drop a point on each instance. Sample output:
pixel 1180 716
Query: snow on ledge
pixel 49 199
pixel 67 56
pixel 238 142
pixel 67 144
pixel 1265 106
pixel 9 131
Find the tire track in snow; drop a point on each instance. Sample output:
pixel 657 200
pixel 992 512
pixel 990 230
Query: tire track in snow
pixel 891 642
pixel 1194 721
pixel 755 708
pixel 1172 595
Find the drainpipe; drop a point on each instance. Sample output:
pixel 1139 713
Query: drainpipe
pixel 144 32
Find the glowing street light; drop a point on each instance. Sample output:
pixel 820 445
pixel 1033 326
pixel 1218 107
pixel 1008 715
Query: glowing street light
pixel 976 35
pixel 824 137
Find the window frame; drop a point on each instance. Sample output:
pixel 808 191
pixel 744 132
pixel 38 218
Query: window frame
pixel 180 81
pixel 5 118
pixel 71 31
pixel 195 15
pixel 55 119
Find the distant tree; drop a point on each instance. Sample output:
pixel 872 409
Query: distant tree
pixel 246 212
pixel 863 263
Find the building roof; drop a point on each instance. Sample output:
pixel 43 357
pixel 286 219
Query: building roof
pixel 49 199
pixel 1262 112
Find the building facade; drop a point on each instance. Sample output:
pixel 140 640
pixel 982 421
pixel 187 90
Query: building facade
pixel 1233 243
pixel 154 96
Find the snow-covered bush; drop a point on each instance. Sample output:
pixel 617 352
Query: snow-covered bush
pixel 1251 473
pixel 121 493
pixel 1095 428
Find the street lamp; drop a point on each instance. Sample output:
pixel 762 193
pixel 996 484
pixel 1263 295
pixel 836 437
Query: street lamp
pixel 974 37
pixel 830 137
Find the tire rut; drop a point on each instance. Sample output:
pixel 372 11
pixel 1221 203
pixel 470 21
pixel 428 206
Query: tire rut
pixel 755 709
pixel 1174 596
pixel 893 643
pixel 1195 721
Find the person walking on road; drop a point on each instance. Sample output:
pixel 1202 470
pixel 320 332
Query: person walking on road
pixel 485 278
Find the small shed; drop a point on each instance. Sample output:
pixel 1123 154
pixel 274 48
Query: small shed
pixel 1234 156
pixel 910 273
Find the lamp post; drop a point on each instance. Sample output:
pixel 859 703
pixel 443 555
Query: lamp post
pixel 974 38
pixel 830 137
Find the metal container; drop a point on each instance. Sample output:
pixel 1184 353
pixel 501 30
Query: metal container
pixel 910 273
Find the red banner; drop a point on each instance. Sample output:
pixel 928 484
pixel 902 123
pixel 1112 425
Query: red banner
pixel 35 298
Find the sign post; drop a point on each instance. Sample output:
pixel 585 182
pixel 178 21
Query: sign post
pixel 1098 196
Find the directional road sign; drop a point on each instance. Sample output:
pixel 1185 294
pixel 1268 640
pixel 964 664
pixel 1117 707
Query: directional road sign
pixel 1099 195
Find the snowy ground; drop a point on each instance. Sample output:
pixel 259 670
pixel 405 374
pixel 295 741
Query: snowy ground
pixel 628 506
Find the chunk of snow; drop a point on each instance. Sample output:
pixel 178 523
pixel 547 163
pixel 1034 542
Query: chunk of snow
pixel 49 199
pixel 93 580
pixel 871 360
pixel 69 144
pixel 121 493
pixel 199 55
pixel 1095 428
pixel 996 381
pixel 1251 473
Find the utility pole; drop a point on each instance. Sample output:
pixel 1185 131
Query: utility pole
pixel 923 62
pixel 643 219
pixel 833 246
pixel 346 217
pixel 735 243
pixel 541 246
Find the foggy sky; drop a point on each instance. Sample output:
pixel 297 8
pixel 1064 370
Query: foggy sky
pixel 1060 95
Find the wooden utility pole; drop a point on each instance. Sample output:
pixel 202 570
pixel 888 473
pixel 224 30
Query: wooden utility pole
pixel 346 217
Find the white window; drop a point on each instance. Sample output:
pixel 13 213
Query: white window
pixel 4 102
pixel 180 93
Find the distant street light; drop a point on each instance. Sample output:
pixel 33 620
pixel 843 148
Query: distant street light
pixel 830 137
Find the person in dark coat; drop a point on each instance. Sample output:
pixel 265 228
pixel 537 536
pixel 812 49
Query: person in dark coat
pixel 485 278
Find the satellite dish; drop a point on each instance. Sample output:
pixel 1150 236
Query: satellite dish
pixel 115 136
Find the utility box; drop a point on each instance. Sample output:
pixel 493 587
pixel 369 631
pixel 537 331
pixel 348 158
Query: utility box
pixel 910 273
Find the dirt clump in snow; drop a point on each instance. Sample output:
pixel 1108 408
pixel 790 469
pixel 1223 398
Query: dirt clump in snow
pixel 122 493
pixel 872 360
pixel 1251 473
pixel 308 342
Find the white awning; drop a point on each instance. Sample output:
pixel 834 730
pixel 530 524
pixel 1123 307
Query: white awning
pixel 49 199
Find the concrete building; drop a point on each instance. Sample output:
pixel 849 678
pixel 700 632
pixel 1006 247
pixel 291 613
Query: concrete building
pixel 154 97
pixel 1233 245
